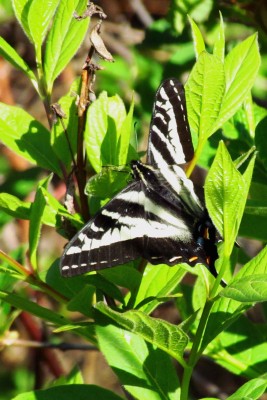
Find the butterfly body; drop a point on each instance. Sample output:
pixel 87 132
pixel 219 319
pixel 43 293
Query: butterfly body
pixel 158 216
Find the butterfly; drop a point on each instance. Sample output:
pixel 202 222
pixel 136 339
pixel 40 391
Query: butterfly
pixel 158 216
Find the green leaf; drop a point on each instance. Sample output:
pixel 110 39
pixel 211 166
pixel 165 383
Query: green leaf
pixel 33 308
pixel 249 112
pixel 126 275
pixel 125 137
pixel 27 137
pixel 247 289
pixel 223 314
pixel 147 373
pixel 258 265
pixel 251 390
pixel 21 9
pixel 162 334
pixel 14 206
pixel 256 207
pixel 225 310
pixel 70 392
pixel 74 377
pixel 226 192
pixel 105 185
pixel 12 56
pixel 105 119
pixel 219 45
pixel 58 136
pixel 52 213
pixel 198 40
pixel 105 286
pixel 34 17
pixel 241 67
pixel 241 348
pixel 83 301
pixel 64 39
pixel 39 15
pixel 260 141
pixel 204 93
pixel 37 210
pixel 253 224
pixel 158 281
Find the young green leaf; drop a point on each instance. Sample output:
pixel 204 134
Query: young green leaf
pixel 14 206
pixel 135 362
pixel 33 308
pixel 59 140
pixel 13 57
pixel 37 210
pixel 126 275
pixel 241 67
pixel 64 39
pixel 39 18
pixel 105 286
pixel 21 9
pixel 82 301
pixel 158 282
pixel 223 314
pixel 125 137
pixel 241 348
pixel 105 185
pixel 248 289
pixel 204 93
pixel 35 17
pixel 258 265
pixel 74 377
pixel 52 214
pixel 225 310
pixel 251 390
pixel 199 44
pixel 260 142
pixel 219 45
pixel 105 119
pixel 27 137
pixel 226 192
pixel 160 333
pixel 249 112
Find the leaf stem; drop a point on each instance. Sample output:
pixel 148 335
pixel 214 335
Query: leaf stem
pixel 194 354
pixel 31 278
pixel 197 350
pixel 194 160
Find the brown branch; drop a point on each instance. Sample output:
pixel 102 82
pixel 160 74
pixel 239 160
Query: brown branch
pixel 141 11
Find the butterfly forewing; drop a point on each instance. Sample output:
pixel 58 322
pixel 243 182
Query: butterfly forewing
pixel 170 140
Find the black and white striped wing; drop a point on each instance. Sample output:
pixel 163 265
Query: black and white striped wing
pixel 157 216
pixel 135 223
pixel 103 240
pixel 170 140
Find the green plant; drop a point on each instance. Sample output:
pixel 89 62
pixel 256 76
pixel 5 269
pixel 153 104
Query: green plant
pixel 137 346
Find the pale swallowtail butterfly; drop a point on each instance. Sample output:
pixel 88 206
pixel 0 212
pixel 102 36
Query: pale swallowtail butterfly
pixel 158 216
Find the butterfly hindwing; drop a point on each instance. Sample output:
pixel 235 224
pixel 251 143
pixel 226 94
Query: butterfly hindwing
pixel 107 239
pixel 140 221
